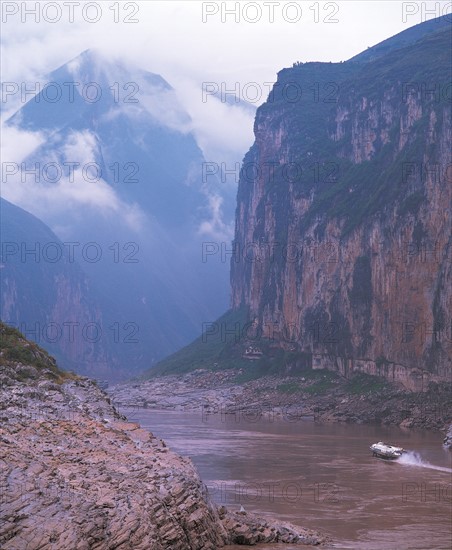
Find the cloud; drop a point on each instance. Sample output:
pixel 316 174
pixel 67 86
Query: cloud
pixel 215 227
pixel 163 105
pixel 224 132
pixel 57 191
pixel 18 144
pixel 60 202
pixel 171 39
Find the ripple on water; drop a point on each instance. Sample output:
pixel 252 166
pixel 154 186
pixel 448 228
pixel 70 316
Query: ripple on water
pixel 414 459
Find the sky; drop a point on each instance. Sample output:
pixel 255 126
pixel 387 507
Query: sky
pixel 197 38
pixel 226 46
pixel 201 41
pixel 230 44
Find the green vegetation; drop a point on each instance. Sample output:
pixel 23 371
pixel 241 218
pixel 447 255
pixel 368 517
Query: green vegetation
pixel 362 384
pixel 14 348
pixel 321 381
pixel 215 349
pixel 252 370
pixel 324 381
pixel 314 382
pixel 289 388
pixel 221 347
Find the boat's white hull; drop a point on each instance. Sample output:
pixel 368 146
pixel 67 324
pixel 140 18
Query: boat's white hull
pixel 386 456
pixel 385 451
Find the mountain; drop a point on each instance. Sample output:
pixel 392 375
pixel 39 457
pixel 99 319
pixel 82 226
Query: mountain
pixel 121 116
pixel 120 168
pixel 46 294
pixel 343 236
pixel 403 39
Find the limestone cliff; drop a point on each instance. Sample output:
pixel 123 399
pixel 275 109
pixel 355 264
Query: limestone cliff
pixel 343 247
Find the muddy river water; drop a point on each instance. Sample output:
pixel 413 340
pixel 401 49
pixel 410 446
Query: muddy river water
pixel 321 476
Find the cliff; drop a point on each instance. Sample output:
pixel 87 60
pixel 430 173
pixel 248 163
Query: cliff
pixel 46 294
pixel 342 251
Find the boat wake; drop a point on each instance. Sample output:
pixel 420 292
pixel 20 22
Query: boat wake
pixel 411 458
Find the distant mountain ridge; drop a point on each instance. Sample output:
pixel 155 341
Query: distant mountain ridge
pixel 46 295
pixel 131 181
pixel 404 39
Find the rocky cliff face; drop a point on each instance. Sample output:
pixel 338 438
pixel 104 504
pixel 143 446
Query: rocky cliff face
pixel 76 474
pixel 343 248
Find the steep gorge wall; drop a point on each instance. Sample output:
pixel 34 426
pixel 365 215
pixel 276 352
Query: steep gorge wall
pixel 48 297
pixel 343 245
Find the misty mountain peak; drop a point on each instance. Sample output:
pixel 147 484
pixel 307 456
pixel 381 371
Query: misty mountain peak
pixel 95 64
pixel 93 85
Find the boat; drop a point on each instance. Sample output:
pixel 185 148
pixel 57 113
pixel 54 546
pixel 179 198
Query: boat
pixel 387 451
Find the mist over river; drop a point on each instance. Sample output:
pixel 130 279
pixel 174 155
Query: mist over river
pixel 321 476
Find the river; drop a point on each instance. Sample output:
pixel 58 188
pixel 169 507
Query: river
pixel 320 476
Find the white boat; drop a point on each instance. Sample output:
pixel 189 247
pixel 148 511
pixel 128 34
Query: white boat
pixel 384 450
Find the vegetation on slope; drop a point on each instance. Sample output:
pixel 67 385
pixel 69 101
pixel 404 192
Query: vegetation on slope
pixel 16 352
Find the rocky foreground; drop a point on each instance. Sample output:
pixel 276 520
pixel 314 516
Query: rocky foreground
pixel 319 395
pixel 74 474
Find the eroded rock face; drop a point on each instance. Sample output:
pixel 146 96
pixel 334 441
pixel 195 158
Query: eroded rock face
pixel 75 474
pixel 343 226
pixel 248 530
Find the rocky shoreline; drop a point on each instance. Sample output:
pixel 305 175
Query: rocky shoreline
pixel 324 398
pixel 76 474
